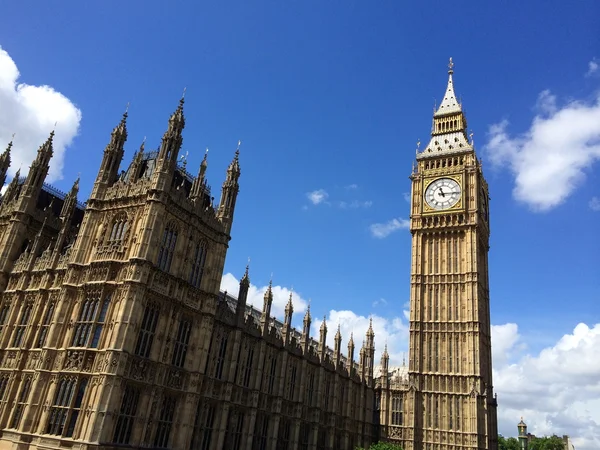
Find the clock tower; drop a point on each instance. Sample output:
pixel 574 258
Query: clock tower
pixel 450 402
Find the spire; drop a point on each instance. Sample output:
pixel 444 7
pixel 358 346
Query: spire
pixel 229 193
pixel 70 200
pixel 324 324
pixel 385 354
pixel 243 296
pixel 449 104
pixel 289 308
pixel 266 313
pixel 111 160
pixel 37 173
pixel 370 333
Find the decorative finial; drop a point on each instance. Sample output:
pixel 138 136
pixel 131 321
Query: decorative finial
pixel 418 144
pixel 471 137
pixel 126 110
pixel 206 153
pixel 185 88
pixel 239 143
pixel 450 66
pixel 183 159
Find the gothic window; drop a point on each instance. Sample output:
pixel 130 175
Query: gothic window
pixel 22 325
pixel 283 436
pixel 450 303
pixel 310 388
pixel 165 422
pixel 198 265
pixel 118 231
pixel 293 369
pixel 248 368
pixel 3 316
pixel 436 294
pixel 181 343
pixel 222 353
pixel 436 349
pixel 235 427
pixel 450 424
pixel 45 326
pixel 22 400
pixel 127 412
pixel 457 414
pixel 261 430
pixel 203 427
pixel 92 314
pixel 4 379
pixel 396 410
pixel 322 439
pixel 304 436
pixel 167 248
pixel 327 394
pixel 429 352
pixel 272 374
pixel 146 333
pixel 341 398
pixel 66 406
pixel 436 413
pixel 450 357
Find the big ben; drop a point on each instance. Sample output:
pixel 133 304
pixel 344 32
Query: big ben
pixel 450 402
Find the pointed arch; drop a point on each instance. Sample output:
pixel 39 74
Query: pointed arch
pixel 167 246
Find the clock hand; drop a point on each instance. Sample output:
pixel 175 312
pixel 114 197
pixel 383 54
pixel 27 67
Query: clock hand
pixel 442 192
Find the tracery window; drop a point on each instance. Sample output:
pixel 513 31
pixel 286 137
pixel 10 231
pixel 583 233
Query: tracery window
pixel 126 417
pixel 197 269
pixel 147 330
pixel 248 367
pixel 21 326
pixel 167 248
pixel 22 401
pixel 310 388
pixel 235 427
pixel 272 374
pixel 66 406
pixel 4 310
pixel 222 353
pixel 118 231
pixel 327 394
pixel 304 436
pixel 92 314
pixel 205 415
pixel 261 430
pixel 165 422
pixel 45 326
pixel 292 372
pixel 283 436
pixel 396 410
pixel 4 379
pixel 181 343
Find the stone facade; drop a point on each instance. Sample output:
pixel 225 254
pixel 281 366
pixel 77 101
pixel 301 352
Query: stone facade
pixel 444 399
pixel 114 334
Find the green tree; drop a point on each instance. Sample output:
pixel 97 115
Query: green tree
pixel 547 443
pixel 510 443
pixel 382 446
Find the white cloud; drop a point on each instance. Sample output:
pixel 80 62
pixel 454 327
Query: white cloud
pixel 594 204
pixel 549 159
pixel 593 67
pixel 317 197
pixel 355 204
pixel 557 391
pixel 256 294
pixel 383 230
pixel 30 112
pixel 352 186
pixel 382 301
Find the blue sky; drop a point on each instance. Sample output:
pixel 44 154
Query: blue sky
pixel 331 97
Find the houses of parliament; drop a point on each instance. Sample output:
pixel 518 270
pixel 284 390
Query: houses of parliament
pixel 114 332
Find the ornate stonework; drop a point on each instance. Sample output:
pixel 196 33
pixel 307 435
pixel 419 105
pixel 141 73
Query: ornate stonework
pixel 113 332
pixel 444 398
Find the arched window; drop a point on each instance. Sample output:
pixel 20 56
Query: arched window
pixel 167 248
pixel 22 325
pixel 118 230
pixel 199 258
pixel 90 321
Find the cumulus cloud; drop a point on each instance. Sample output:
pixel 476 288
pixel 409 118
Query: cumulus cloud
pixel 557 390
pixel 548 160
pixel 352 187
pixel 593 67
pixel 256 294
pixel 594 204
pixel 355 204
pixel 383 230
pixel 30 112
pixel 317 197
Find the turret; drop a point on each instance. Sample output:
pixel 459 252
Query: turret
pixel 266 313
pixel 136 165
pixel 337 347
pixel 350 361
pixel 306 330
pixel 385 363
pixel 370 350
pixel 5 163
pixel 229 193
pixel 11 190
pixel 287 321
pixel 111 160
pixel 66 214
pixel 243 297
pixel 198 184
pixel 36 176
pixel 323 338
pixel 166 161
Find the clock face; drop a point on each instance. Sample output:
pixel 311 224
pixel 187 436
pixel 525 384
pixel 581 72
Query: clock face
pixel 442 193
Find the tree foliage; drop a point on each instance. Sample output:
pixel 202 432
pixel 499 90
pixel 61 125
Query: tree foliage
pixel 382 446
pixel 546 443
pixel 510 443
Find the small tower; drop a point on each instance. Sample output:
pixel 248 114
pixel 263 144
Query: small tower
pixel 323 338
pixel 337 347
pixel 522 427
pixel 350 361
pixel 306 330
pixel 5 163
pixel 111 160
pixel 370 350
pixel 266 313
pixel 166 161
pixel 229 193
pixel 36 176
pixel 198 184
pixel 385 363
pixel 287 321
pixel 243 297
pixel 66 214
